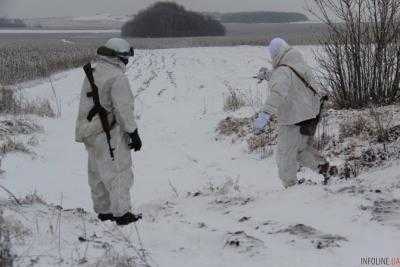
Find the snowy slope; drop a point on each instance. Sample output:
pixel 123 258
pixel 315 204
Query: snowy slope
pixel 205 202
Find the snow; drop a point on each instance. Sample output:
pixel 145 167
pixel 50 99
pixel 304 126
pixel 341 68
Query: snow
pixel 193 189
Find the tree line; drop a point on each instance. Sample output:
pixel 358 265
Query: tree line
pixel 12 23
pixel 168 19
pixel 262 17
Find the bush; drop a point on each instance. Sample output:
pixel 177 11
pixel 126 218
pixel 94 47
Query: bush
pixel 361 55
pixel 168 19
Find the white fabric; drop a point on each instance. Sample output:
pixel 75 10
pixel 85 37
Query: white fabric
pixel 119 45
pixel 115 96
pixel 276 45
pixel 110 181
pixel 289 97
pixel 295 149
pixel 261 122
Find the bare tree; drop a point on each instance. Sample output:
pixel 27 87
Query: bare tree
pixel 360 58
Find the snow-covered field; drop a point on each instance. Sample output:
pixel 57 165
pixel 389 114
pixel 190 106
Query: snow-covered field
pixel 205 202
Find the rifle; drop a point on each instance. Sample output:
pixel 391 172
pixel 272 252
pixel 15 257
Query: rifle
pixel 98 109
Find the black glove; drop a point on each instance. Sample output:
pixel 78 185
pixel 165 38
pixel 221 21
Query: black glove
pixel 135 142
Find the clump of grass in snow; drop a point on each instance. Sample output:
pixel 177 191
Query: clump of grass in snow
pixel 9 144
pixel 11 102
pixel 233 101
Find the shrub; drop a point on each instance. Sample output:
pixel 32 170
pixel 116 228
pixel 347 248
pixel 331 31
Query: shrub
pixel 168 19
pixel 361 55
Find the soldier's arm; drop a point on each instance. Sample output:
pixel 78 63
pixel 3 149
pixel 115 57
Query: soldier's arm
pixel 279 88
pixel 123 101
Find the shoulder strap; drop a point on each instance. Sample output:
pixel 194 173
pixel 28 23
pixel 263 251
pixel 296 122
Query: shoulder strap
pixel 307 84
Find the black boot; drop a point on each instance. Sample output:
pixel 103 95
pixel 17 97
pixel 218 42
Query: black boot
pixel 106 217
pixel 327 171
pixel 128 218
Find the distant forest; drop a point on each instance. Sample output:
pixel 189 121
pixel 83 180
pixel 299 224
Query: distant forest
pixel 11 23
pixel 260 17
pixel 168 19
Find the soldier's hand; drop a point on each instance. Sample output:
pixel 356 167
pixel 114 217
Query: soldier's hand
pixel 262 120
pixel 135 142
pixel 264 74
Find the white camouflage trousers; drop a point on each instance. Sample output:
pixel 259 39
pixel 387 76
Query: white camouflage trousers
pixel 110 181
pixel 295 149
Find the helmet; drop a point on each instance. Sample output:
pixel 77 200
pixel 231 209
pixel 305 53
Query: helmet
pixel 121 46
pixel 116 47
pixel 276 45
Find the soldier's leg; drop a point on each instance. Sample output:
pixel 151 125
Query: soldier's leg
pixel 311 157
pixel 287 153
pixel 120 196
pixel 100 195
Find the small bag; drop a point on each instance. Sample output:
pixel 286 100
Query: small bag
pixel 308 127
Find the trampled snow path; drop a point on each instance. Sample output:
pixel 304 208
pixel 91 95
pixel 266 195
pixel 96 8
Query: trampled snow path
pixel 237 213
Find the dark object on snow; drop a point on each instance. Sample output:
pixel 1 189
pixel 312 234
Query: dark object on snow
pixel 234 243
pixel 135 143
pixel 98 109
pixel 327 171
pixel 128 218
pixel 301 181
pixel 106 217
pixel 245 218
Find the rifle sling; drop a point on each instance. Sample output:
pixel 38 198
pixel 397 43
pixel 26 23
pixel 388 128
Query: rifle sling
pixel 306 83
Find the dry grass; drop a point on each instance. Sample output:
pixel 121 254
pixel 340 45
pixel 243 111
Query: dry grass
pixel 6 258
pixel 9 144
pixel 24 60
pixel 354 127
pixel 234 126
pixel 32 198
pixel 262 141
pixel 17 126
pixel 11 102
pixel 233 100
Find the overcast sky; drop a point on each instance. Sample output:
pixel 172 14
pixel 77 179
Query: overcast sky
pixel 57 8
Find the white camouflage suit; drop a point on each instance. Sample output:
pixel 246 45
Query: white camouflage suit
pixel 110 181
pixel 292 102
